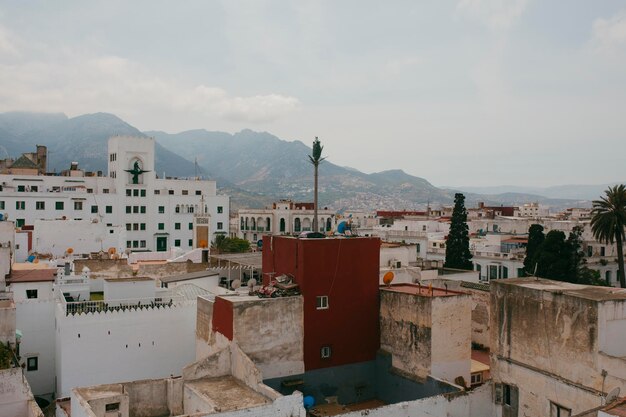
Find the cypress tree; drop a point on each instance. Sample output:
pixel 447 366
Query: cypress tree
pixel 458 254
pixel 535 239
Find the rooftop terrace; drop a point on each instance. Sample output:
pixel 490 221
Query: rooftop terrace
pixel 589 292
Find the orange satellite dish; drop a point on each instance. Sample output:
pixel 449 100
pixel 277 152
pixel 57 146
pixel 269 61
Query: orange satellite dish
pixel 388 277
pixel 70 250
pixel 112 251
pixel 203 244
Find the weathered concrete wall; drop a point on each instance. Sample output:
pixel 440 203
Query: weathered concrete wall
pixel 546 341
pixel 15 394
pixel 270 331
pixel 7 322
pixel 475 403
pixel 405 331
pixel 119 268
pixel 451 337
pixel 147 398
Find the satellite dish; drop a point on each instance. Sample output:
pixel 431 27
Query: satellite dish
pixel 251 282
pixel 341 227
pixel 612 396
pixel 388 277
pixel 236 284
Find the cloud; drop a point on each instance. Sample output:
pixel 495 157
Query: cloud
pixel 78 81
pixel 609 34
pixel 495 14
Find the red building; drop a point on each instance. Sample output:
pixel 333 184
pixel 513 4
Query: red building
pixel 338 278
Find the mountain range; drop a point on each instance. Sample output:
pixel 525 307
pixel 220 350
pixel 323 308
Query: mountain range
pixel 254 168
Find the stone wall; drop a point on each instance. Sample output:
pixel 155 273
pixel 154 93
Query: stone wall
pixel 119 268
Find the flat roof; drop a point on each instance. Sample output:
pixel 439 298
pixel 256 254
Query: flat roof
pixel 226 393
pixel 129 279
pixel 421 291
pixel 32 275
pixel 250 259
pixel 189 276
pixel 589 292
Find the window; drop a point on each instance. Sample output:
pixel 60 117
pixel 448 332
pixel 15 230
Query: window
pixel 190 226
pixel 143 210
pixel 112 407
pixel 135 243
pixel 129 209
pixel 185 192
pixel 129 192
pixel 1 205
pixel 177 210
pixel 135 226
pixel 176 226
pixel 20 205
pixel 31 293
pixel 109 209
pixel 78 205
pixel 19 223
pixel 198 192
pixel 59 205
pixel 161 209
pixel 505 272
pixel 557 410
pixel 161 226
pixel 157 192
pixel 112 158
pixel 177 243
pixel 476 378
pixel 142 193
pixel 32 363
pixel 135 193
pixel 220 209
pixel 89 190
pixel 190 209
pixel 142 243
pixel 602 251
pixel 325 352
pixel 321 302
pixel 128 243
pixel 220 225
pixel 136 209
pixel 94 209
pixel 129 226
pixel 142 226
pixel 21 188
pixel 589 250
pixel 40 205
pixel 170 192
pixel 34 188
pixel 105 191
pixel 113 174
pixel 190 242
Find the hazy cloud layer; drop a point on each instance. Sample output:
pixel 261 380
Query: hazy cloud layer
pixel 462 92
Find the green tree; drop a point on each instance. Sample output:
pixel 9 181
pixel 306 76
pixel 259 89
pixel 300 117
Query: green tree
pixel 608 221
pixel 457 246
pixel 223 244
pixel 553 258
pixel 316 158
pixel 535 239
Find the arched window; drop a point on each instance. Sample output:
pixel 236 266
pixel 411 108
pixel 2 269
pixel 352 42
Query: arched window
pixel 282 225
pixel 306 224
pixel 243 225
pixel 177 210
pixel 190 209
pixel 268 224
pixel 253 223
pixel 296 224
pixel 607 276
pixel 246 224
pixel 329 225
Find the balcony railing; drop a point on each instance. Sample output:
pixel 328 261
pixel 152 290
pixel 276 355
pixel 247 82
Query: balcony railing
pixel 131 304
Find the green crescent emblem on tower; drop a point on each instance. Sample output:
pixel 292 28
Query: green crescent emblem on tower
pixel 136 171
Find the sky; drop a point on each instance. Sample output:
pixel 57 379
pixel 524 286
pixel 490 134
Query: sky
pixel 462 93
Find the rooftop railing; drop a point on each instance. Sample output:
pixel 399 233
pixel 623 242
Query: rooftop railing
pixel 131 304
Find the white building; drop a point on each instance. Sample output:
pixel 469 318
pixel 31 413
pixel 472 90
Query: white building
pixel 157 213
pixel 284 218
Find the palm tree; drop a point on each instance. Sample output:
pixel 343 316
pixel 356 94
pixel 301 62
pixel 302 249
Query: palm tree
pixel 315 159
pixel 608 221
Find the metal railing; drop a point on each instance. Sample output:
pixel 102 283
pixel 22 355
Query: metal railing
pixel 131 304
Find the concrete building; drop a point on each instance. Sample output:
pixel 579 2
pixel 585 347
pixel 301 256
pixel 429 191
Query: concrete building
pixel 157 213
pixel 286 217
pixel 557 348
pixel 340 294
pixel 427 330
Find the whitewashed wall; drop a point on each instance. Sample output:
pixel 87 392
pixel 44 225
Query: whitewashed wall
pixel 128 288
pixel 123 346
pixel 83 236
pixel 35 319
pixel 15 394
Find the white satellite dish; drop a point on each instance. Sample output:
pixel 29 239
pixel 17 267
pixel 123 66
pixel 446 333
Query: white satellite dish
pixel 251 282
pixel 236 284
pixel 612 396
